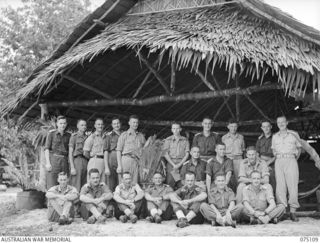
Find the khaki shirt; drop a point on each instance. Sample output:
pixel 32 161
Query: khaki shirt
pixel 188 193
pixel 199 170
pixel 221 200
pixel 214 167
pixel 127 194
pixel 95 192
pixel 69 190
pixel 177 148
pixel 234 145
pixel 76 142
pixel 130 142
pixel 263 146
pixel 57 143
pixel 246 168
pixel 159 191
pixel 112 140
pixel 287 144
pixel 258 200
pixel 95 144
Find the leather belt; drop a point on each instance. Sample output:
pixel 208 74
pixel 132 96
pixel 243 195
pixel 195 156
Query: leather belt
pixel 97 157
pixel 59 155
pixel 280 156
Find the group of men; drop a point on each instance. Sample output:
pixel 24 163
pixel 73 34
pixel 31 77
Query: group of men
pixel 104 168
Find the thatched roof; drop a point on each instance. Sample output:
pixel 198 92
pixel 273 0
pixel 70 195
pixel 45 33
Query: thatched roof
pixel 246 39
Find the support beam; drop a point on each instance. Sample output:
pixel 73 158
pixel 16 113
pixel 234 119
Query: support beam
pixel 154 71
pixel 226 99
pixel 165 98
pixel 95 90
pixel 173 77
pixel 256 107
pixel 44 111
pixel 204 80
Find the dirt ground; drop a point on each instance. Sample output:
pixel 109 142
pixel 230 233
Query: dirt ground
pixel 28 223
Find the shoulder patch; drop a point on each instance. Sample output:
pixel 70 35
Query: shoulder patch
pixel 261 136
pixel 52 130
pixel 264 187
pixel 108 133
pixel 186 162
pixel 197 134
pixel 198 189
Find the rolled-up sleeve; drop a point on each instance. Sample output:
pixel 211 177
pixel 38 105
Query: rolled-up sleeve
pixel 120 143
pixel 48 144
pixel 88 144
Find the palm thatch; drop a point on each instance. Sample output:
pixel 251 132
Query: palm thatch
pixel 224 34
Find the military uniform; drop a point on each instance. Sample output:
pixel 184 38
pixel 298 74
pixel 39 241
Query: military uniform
pixel 58 207
pixel 214 167
pixel 221 200
pixel 286 167
pixel 94 192
pixel 95 145
pixel 111 146
pixel 130 144
pixel 177 149
pixel 185 193
pixel 234 150
pixel 263 147
pixel 199 170
pixel 245 170
pixel 259 201
pixel 57 144
pixel 128 194
pixel 165 206
pixel 80 162
pixel 206 145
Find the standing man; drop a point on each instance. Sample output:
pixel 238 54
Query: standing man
pixel 111 153
pixel 251 163
pixel 129 198
pixel 78 163
pixel 176 153
pixel 259 204
pixel 286 148
pixel 218 165
pixel 95 196
pixel 206 140
pixel 158 200
pixel 263 147
pixel 235 147
pixel 56 152
pixel 60 201
pixel 94 148
pixel 186 202
pixel 197 166
pixel 221 207
pixel 129 148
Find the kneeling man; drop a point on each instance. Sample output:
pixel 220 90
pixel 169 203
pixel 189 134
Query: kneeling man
pixel 158 199
pixel 129 198
pixel 95 197
pixel 259 204
pixel 60 201
pixel 221 208
pixel 186 202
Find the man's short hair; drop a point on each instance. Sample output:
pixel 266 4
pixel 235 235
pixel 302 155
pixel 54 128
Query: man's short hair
pixel 158 173
pixel 282 116
pixel 98 119
pixel 219 174
pixel 176 123
pixel 133 117
pixel 232 121
pixel 251 148
pixel 126 173
pixel 190 173
pixel 115 118
pixel 62 173
pixel 61 118
pixel 80 120
pixel 265 120
pixel 92 171
pixel 207 118
pixel 220 144
pixel 194 146
pixel 255 172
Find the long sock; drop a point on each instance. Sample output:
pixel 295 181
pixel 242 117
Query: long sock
pixel 160 212
pixel 153 212
pixel 128 212
pixel 180 214
pixel 190 216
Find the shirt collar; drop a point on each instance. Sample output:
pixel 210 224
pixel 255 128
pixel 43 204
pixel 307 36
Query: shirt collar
pixel 264 136
pixel 216 190
pixel 230 135
pixel 80 134
pixel 251 188
pixel 131 132
pixel 115 133
pixel 59 189
pixel 93 187
pixel 97 134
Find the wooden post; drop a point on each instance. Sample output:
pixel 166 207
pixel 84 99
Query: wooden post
pixel 237 100
pixel 204 80
pixel 173 77
pixel 318 199
pixel 44 111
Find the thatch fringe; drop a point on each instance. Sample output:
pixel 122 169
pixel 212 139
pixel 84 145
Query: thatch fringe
pixel 217 35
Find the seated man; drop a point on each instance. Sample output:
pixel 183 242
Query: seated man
pixel 221 208
pixel 60 201
pixel 259 204
pixel 197 166
pixel 186 202
pixel 217 165
pixel 158 200
pixel 95 197
pixel 251 163
pixel 129 199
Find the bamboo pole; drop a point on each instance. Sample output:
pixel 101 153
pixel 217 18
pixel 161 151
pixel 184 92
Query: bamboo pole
pixel 154 71
pixel 164 98
pixel 93 89
pixel 226 99
pixel 256 107
pixel 204 80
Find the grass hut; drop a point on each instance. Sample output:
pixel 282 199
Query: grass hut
pixel 180 60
